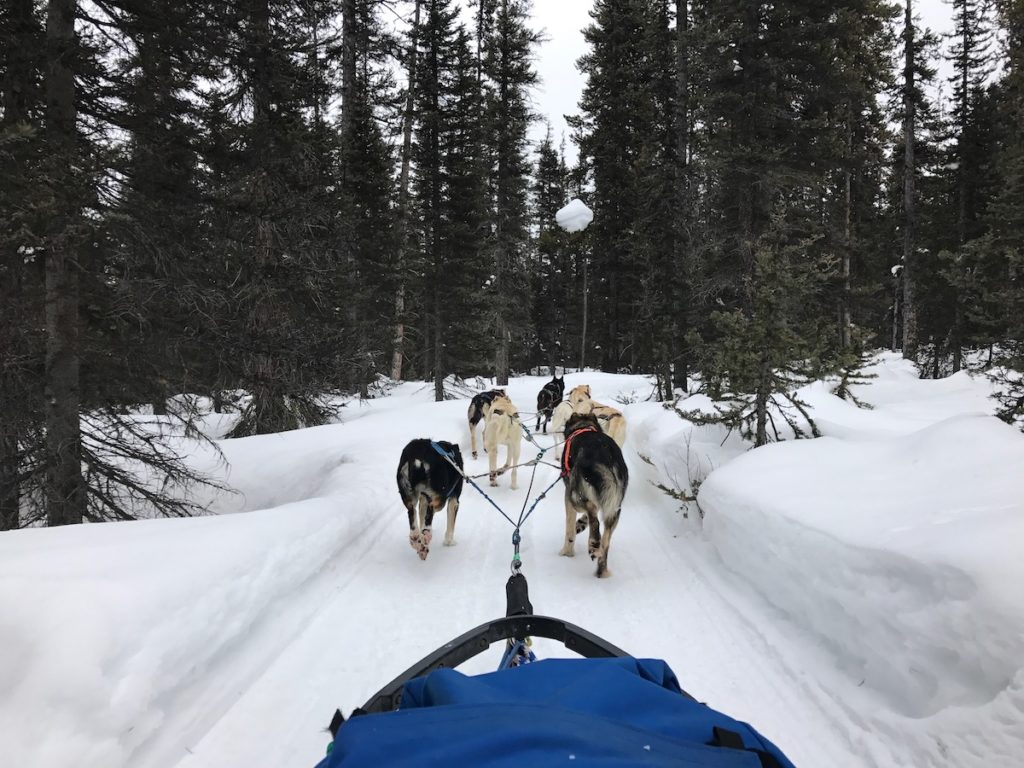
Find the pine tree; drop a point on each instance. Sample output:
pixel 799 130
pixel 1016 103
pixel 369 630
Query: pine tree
pixel 403 213
pixel 449 197
pixel 551 268
pixel 766 350
pixel 765 94
pixel 910 271
pixel 273 209
pixel 21 41
pixel 971 126
pixel 366 225
pixel 623 134
pixel 155 223
pixel 64 236
pixel 1005 246
pixel 508 68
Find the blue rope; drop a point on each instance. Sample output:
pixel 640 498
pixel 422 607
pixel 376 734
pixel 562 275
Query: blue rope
pixel 524 514
pixel 529 436
pixel 524 518
pixel 516 654
pixel 469 479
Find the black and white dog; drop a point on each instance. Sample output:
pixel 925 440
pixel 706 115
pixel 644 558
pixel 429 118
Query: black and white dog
pixel 550 396
pixel 595 478
pixel 426 477
pixel 479 407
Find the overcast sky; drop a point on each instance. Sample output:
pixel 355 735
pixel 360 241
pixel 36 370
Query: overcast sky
pixel 561 83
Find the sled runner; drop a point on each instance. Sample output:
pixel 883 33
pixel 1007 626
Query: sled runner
pixel 607 708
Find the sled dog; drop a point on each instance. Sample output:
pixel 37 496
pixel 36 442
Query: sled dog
pixel 503 428
pixel 612 422
pixel 479 407
pixel 595 478
pixel 549 396
pixel 426 477
pixel 559 418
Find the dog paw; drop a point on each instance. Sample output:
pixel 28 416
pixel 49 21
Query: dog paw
pixel 423 552
pixel 568 551
pixel 603 574
pixel 474 454
pixel 581 525
pixel 450 541
pixel 514 486
pixel 594 552
pixel 428 536
pixel 414 540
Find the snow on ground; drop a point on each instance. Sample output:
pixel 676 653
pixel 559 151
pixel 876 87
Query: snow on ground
pixel 853 597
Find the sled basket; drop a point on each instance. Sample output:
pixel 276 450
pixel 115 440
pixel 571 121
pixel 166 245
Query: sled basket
pixel 606 709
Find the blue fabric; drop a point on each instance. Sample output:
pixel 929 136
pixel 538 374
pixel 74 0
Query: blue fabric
pixel 564 712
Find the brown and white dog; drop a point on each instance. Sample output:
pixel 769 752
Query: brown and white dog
pixel 479 407
pixel 595 478
pixel 612 422
pixel 503 428
pixel 427 478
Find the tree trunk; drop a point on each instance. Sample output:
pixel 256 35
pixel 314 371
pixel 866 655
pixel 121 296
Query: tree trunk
pixel 846 317
pixel 501 357
pixel 586 298
pixel 680 354
pixel 65 488
pixel 19 76
pixel 956 333
pixel 909 258
pixel 761 400
pixel 10 486
pixel 896 310
pixel 438 357
pixel 402 223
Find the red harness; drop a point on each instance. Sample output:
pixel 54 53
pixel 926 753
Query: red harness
pixel 568 443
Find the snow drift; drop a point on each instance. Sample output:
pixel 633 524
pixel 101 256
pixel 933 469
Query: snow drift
pixel 902 556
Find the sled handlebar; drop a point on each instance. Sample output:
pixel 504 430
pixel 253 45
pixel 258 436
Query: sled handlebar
pixel 478 640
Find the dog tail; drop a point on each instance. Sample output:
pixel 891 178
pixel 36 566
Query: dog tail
pixel 605 487
pixel 612 491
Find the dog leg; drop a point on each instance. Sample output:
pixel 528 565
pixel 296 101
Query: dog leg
pixel 472 438
pixel 414 532
pixel 434 505
pixel 492 463
pixel 569 548
pixel 423 541
pixel 594 543
pixel 514 458
pixel 610 522
pixel 449 532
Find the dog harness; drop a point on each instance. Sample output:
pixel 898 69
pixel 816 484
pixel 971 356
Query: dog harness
pixel 568 445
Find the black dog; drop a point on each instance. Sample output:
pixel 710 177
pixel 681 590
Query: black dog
pixel 479 407
pixel 595 478
pixel 550 396
pixel 427 477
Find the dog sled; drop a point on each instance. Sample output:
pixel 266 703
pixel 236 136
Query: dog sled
pixel 606 708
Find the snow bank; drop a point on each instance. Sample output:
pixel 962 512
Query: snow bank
pixel 104 625
pixel 902 557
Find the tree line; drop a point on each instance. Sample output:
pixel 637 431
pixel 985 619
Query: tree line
pixel 265 201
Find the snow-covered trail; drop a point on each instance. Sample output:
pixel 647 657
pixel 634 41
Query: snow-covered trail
pixel 377 608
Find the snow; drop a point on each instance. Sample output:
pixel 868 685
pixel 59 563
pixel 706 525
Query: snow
pixel 574 217
pixel 854 597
